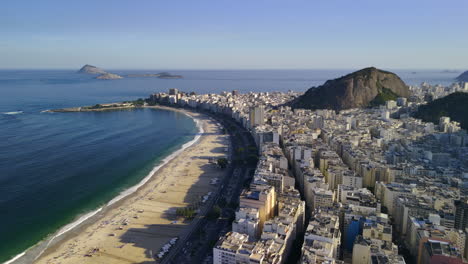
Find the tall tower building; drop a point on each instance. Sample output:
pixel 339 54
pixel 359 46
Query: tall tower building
pixel 461 214
pixel 173 91
pixel 257 116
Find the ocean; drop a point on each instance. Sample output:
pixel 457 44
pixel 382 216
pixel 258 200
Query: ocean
pixel 56 167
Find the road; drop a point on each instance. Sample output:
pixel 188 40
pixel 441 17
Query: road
pixel 195 245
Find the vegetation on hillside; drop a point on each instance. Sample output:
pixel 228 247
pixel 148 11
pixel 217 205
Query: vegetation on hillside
pixel 384 95
pixel 454 105
pixel 138 102
pixel 97 106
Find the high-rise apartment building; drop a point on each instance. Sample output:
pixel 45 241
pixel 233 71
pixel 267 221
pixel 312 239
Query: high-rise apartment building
pixel 256 116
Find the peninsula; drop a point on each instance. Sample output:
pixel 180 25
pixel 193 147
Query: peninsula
pixel 99 107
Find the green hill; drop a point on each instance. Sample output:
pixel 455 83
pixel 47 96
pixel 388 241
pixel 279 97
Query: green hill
pixel 383 96
pixel 453 105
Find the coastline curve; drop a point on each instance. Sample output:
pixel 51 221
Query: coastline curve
pixel 36 251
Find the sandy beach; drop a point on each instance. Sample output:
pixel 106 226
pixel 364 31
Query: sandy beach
pixel 134 229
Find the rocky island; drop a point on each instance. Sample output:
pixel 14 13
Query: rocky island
pixel 109 76
pixel 103 75
pixel 166 75
pixel 363 88
pixel 90 69
pixel 161 75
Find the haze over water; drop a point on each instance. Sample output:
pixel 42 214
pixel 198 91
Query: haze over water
pixel 57 166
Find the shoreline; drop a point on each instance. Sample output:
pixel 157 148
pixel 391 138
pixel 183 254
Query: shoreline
pixel 67 232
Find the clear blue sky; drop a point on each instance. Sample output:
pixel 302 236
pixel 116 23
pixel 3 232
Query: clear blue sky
pixel 234 34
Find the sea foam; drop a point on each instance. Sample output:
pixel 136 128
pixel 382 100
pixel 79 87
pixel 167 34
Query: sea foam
pixel 12 113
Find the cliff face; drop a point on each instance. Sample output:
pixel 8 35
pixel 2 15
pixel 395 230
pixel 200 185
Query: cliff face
pixel 354 90
pixel 463 77
pixel 90 69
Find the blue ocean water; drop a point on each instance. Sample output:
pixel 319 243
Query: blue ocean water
pixel 57 166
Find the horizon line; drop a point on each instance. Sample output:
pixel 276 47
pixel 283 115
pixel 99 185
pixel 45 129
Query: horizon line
pixel 238 69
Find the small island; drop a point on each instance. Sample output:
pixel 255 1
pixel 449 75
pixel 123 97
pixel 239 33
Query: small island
pixel 161 75
pixel 103 75
pixel 109 76
pixel 166 75
pixel 90 69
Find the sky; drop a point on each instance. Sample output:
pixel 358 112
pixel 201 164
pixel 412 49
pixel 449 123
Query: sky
pixel 234 34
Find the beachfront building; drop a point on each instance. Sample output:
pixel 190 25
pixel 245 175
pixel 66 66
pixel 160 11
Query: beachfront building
pixel 282 232
pixel 234 248
pixel 262 198
pixel 247 222
pixel 226 249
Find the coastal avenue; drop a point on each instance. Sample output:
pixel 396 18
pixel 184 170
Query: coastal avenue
pixel 196 244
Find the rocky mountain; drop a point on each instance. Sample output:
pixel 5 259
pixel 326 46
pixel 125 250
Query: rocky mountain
pixel 90 69
pixel 109 76
pixel 363 88
pixel 452 105
pixel 463 77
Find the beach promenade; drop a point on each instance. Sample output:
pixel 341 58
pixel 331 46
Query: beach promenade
pixel 134 229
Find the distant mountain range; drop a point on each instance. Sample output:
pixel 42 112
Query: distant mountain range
pixel 363 88
pixel 103 75
pixel 453 105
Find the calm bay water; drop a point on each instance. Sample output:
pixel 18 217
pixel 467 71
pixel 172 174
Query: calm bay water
pixel 57 166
